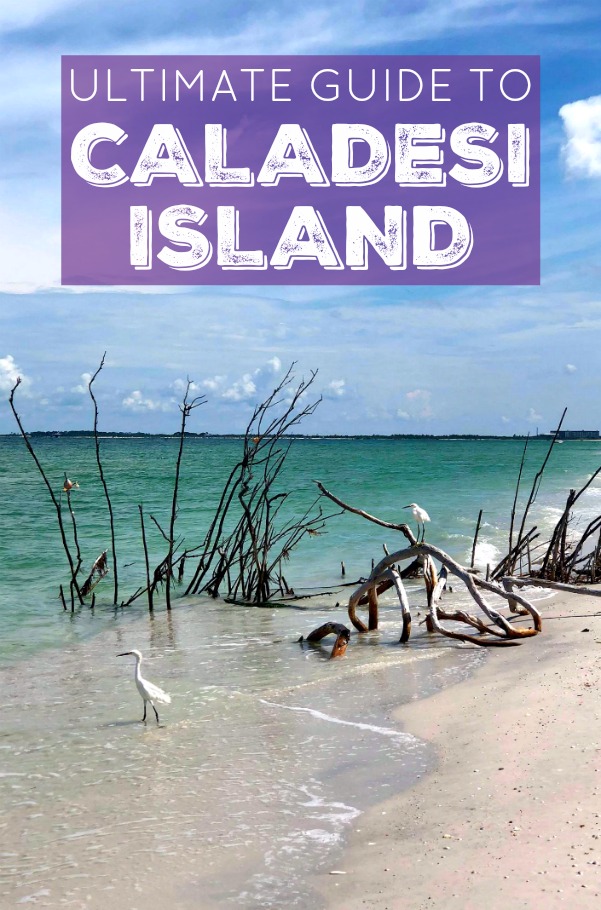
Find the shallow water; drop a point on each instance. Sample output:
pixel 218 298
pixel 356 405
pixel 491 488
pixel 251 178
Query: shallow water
pixel 452 479
pixel 263 762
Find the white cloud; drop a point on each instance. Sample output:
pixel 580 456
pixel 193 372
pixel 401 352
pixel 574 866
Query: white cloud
pixel 274 365
pixel 421 400
pixel 506 419
pixel 180 386
pixel 137 402
pixel 252 385
pixel 213 383
pixel 570 368
pixel 533 416
pixel 242 390
pixel 335 389
pixel 582 125
pixel 10 372
pixel 404 415
pixel 82 388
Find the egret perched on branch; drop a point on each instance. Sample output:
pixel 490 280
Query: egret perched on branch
pixel 148 691
pixel 421 517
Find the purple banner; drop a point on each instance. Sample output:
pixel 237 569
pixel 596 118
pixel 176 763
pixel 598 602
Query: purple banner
pixel 382 170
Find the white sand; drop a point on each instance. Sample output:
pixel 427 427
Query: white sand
pixel 511 816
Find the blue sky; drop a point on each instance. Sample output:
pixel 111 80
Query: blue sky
pixel 420 360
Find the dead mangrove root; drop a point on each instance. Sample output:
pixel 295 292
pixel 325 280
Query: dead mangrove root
pixel 386 574
pixel 342 633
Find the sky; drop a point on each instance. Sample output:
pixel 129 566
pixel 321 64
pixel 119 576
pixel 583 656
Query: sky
pixel 498 360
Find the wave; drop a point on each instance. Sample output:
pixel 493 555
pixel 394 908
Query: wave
pixel 320 715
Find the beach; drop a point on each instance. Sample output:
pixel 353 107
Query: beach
pixel 511 815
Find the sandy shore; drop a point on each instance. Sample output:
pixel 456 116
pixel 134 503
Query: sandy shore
pixel 511 817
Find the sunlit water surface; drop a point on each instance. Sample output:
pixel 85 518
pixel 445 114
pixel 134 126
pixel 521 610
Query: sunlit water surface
pixel 264 760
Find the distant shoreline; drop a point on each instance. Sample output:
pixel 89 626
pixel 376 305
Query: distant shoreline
pixel 106 434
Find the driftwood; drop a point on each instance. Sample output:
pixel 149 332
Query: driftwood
pixel 340 645
pixel 413 570
pixel 386 574
pixel 99 571
pixel 404 602
pixel 342 633
pixel 403 528
pixel 499 626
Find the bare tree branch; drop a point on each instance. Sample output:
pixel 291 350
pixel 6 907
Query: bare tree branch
pixel 104 483
pixel 55 502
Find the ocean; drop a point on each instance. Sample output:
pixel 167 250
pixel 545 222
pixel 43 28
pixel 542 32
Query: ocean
pixel 451 479
pixel 269 752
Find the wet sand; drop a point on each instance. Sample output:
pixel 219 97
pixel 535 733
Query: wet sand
pixel 511 816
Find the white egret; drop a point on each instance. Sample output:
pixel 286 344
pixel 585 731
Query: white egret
pixel 148 691
pixel 421 517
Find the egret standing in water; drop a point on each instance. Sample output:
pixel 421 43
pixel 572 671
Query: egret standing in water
pixel 421 517
pixel 148 691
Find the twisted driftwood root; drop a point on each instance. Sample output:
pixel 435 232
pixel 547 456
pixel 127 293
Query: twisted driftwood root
pixel 434 588
pixel 368 593
pixel 412 571
pixel 342 633
pixel 339 649
pixel 386 575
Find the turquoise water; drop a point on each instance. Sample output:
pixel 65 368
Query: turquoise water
pixel 452 479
